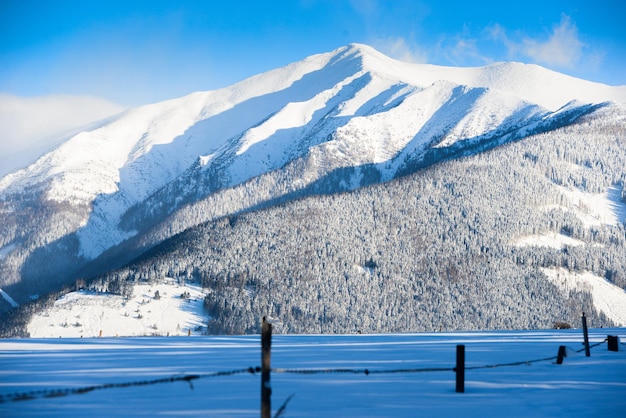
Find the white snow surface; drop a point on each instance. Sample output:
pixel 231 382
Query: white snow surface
pixel 607 298
pixel 581 386
pixel 595 209
pixel 530 82
pixel 549 239
pixel 90 314
pixel 347 107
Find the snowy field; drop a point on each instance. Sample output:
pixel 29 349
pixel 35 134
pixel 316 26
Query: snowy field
pixel 163 309
pixel 581 386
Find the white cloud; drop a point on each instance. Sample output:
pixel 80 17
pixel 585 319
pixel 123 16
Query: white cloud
pixel 562 48
pixel 399 49
pixel 498 33
pixel 31 126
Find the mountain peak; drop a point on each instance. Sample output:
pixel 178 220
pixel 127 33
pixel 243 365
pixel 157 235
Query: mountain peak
pixel 363 50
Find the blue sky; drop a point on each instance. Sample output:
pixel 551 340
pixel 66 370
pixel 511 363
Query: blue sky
pixel 135 52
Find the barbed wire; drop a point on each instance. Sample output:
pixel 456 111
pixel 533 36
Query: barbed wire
pixel 362 371
pixel 516 363
pixel 53 393
pixel 593 345
pixel 520 363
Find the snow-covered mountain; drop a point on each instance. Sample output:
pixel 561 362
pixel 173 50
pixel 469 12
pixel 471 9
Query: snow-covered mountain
pixel 331 122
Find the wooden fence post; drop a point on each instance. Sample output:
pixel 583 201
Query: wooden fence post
pixel 266 389
pixel 586 336
pixel 561 354
pixel 460 368
pixel 613 342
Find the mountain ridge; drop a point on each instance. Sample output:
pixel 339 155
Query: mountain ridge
pixel 361 53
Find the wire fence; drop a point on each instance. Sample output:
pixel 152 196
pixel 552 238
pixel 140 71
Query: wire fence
pixel 189 378
pixel 53 393
pixel 362 371
pixel 421 370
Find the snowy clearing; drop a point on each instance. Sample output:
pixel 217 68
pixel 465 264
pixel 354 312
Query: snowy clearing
pixel 607 298
pixel 595 209
pixel 177 310
pixel 581 386
pixel 550 239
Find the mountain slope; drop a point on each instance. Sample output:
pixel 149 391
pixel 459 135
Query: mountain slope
pixel 527 235
pixel 332 122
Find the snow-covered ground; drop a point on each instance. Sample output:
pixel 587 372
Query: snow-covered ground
pixel 595 209
pixel 607 298
pixel 549 239
pixel 177 310
pixel 581 386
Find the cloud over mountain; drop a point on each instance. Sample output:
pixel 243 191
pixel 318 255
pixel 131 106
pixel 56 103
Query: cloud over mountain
pixel 31 126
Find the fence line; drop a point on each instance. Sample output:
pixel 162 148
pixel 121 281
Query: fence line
pixel 519 363
pixel 53 393
pixel 362 371
pixel 593 345
pixel 189 378
pixel 419 370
